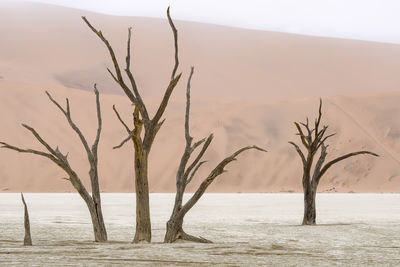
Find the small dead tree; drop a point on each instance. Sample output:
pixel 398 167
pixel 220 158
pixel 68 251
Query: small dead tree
pixel 185 175
pixel 313 140
pixel 145 128
pixel 93 201
pixel 27 226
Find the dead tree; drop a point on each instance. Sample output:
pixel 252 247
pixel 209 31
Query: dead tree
pixel 27 226
pixel 145 128
pixel 93 201
pixel 185 175
pixel 313 140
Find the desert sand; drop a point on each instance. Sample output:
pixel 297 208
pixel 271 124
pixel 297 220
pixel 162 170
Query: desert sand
pixel 248 88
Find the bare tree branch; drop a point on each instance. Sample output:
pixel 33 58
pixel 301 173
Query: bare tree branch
pixel 317 121
pixel 40 139
pixel 303 159
pixel 119 77
pixel 324 139
pixel 121 120
pixel 187 113
pixel 302 136
pixel 200 155
pixel 194 171
pixel 129 137
pixel 218 170
pixel 32 151
pixel 171 23
pixel 99 122
pixel 197 144
pixel 187 237
pixel 67 115
pixel 330 163
pixel 318 165
pixel 174 80
pixel 164 102
pixel 114 78
pixel 138 97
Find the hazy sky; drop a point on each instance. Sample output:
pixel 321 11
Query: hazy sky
pixel 376 20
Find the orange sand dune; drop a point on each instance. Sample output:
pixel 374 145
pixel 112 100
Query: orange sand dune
pixel 249 87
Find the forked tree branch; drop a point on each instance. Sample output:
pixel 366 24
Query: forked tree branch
pixel 119 79
pixel 218 170
pixel 67 115
pixel 302 136
pixel 194 171
pixel 200 155
pixel 174 79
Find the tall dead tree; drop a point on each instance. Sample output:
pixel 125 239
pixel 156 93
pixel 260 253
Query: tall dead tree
pixel 144 129
pixel 313 140
pixel 27 225
pixel 185 175
pixel 93 201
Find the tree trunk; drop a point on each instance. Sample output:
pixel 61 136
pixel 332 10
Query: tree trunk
pixel 309 205
pixel 174 228
pixel 175 231
pixel 27 238
pixel 99 229
pixel 143 224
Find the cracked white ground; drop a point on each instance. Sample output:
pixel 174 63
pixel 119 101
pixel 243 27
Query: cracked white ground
pixel 247 230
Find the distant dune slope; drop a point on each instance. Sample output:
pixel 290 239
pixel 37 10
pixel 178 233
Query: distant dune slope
pixel 248 88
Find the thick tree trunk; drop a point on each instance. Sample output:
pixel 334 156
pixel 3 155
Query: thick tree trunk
pixel 174 228
pixel 309 205
pixel 143 224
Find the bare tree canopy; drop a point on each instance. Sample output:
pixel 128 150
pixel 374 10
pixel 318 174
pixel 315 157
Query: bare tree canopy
pixel 186 173
pixel 141 122
pixel 313 140
pixel 54 154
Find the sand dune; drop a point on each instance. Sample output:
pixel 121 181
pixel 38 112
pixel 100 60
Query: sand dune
pixel 248 88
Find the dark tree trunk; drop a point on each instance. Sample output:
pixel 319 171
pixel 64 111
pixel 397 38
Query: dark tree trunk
pixel 309 206
pixel 143 223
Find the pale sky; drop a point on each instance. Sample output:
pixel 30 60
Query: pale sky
pixel 375 20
